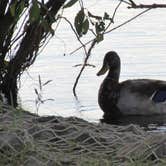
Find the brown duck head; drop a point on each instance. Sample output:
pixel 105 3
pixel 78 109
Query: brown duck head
pixel 112 64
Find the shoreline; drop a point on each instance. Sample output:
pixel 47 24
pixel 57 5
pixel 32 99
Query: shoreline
pixel 31 140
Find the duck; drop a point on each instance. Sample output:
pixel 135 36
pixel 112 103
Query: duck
pixel 132 97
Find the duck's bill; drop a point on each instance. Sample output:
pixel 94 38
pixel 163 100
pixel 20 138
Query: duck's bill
pixel 103 70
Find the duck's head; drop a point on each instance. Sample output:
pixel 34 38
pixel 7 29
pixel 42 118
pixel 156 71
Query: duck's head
pixel 111 62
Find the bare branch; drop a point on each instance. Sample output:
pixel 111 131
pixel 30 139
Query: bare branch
pixel 78 38
pixel 147 6
pixel 83 67
pixel 98 17
pixel 91 65
pixel 132 3
pixel 115 11
pixel 124 1
pixel 126 22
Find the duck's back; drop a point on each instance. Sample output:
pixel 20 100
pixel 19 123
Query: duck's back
pixel 142 97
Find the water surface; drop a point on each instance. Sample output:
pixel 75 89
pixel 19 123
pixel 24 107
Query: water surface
pixel 140 44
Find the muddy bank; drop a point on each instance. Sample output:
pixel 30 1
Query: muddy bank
pixel 29 140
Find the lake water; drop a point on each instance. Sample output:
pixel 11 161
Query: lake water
pixel 141 45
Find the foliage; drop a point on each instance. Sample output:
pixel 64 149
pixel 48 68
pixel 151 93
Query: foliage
pixel 25 28
pixel 70 3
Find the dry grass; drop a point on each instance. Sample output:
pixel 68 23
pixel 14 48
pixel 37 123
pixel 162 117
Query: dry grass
pixel 27 139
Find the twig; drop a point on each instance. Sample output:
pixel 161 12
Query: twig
pixel 147 6
pixel 133 3
pixel 82 44
pixel 87 53
pixel 126 22
pixel 125 2
pixel 115 11
pixel 113 16
pixel 85 44
pixel 84 65
pixel 105 28
pixel 81 3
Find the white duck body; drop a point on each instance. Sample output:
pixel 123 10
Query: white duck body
pixel 137 97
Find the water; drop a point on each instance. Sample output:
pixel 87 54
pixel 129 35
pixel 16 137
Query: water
pixel 140 44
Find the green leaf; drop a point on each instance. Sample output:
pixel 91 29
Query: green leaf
pixel 13 9
pixel 99 38
pixel 100 27
pixel 52 31
pixel 94 16
pixel 78 22
pixel 85 26
pixel 107 17
pixel 70 3
pixel 34 11
pixel 6 63
pixel 47 27
pixel 20 8
pixel 17 8
pixel 52 19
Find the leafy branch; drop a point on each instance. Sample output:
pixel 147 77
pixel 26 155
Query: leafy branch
pixel 148 6
pixel 85 22
pixel 132 4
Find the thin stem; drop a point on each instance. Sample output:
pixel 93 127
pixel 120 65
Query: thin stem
pixel 81 3
pixel 126 22
pixel 115 11
pixel 141 6
pixel 83 67
pixel 81 46
pixel 125 2
pixel 78 38
pixel 112 21
pixel 132 3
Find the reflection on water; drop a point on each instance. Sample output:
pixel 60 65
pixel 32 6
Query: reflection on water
pixel 140 44
pixel 149 123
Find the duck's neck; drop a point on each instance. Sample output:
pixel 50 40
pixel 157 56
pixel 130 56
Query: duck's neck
pixel 114 74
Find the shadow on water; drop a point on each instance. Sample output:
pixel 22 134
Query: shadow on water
pixel 155 123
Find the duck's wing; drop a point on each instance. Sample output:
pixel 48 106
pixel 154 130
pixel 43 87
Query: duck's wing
pixel 153 89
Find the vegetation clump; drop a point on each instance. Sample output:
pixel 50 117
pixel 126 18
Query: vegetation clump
pixel 27 139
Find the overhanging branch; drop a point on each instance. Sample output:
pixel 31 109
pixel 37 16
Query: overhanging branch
pixel 133 5
pixel 147 6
